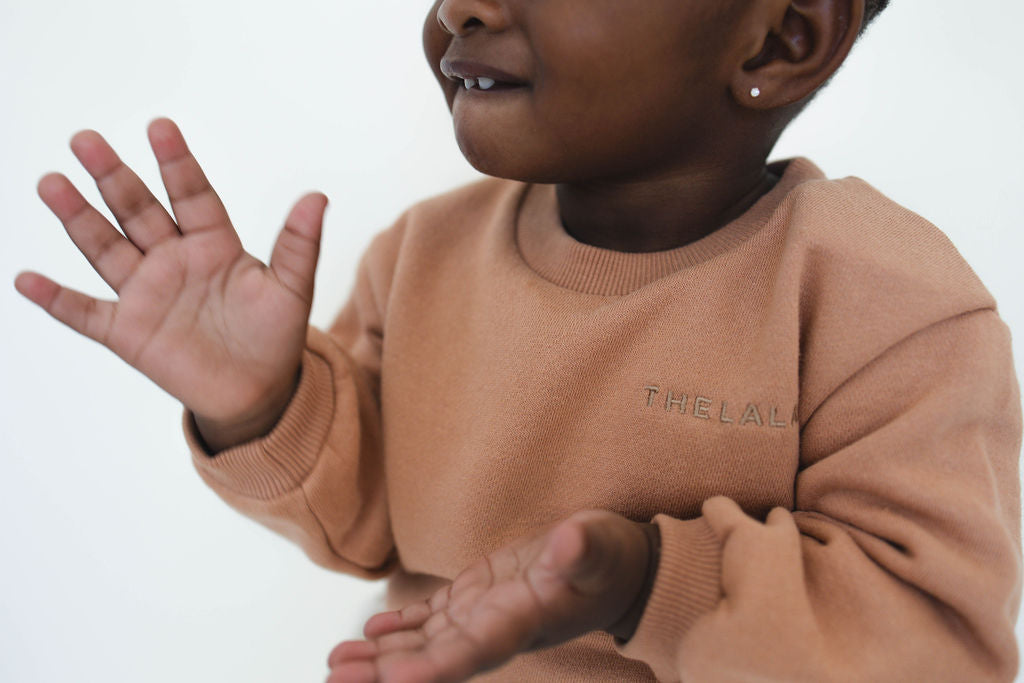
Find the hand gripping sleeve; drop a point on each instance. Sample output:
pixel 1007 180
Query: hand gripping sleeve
pixel 317 478
pixel 901 558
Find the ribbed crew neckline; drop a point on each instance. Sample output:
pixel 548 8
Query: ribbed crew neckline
pixel 558 257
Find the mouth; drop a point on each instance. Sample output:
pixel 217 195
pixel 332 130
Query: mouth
pixel 473 76
pixel 487 84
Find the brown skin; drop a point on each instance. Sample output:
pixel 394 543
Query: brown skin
pixel 684 164
pixel 206 321
pixel 695 149
pixel 640 113
pixel 519 598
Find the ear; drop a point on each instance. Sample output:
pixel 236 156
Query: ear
pixel 797 46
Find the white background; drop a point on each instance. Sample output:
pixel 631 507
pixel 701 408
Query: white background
pixel 117 563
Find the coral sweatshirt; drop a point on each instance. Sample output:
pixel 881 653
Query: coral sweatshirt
pixel 816 404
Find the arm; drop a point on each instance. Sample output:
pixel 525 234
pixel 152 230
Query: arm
pixel 901 559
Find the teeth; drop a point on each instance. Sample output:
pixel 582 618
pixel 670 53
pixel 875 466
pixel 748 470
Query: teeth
pixel 482 83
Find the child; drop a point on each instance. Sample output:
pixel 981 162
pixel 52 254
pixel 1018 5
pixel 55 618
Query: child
pixel 702 418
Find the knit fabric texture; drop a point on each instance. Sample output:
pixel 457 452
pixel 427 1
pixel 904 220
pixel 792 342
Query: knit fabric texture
pixel 816 404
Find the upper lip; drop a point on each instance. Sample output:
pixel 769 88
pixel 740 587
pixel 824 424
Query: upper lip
pixel 460 69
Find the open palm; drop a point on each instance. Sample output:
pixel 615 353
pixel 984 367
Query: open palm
pixel 564 580
pixel 202 318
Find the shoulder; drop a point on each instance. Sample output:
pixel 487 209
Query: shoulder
pixel 850 233
pixel 457 214
pixel 442 229
pixel 869 274
pixel 476 202
pixel 474 197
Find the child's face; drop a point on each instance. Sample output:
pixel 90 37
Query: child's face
pixel 613 89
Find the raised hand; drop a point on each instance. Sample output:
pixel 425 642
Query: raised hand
pixel 581 575
pixel 206 321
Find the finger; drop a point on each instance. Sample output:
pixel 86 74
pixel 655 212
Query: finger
pixel 780 517
pixel 401 641
pixel 364 671
pixel 451 659
pixel 84 314
pixel 412 616
pixel 113 257
pixel 441 599
pixel 142 217
pixel 585 555
pixel 453 655
pixel 352 650
pixel 194 203
pixel 566 547
pixel 295 254
pixel 438 622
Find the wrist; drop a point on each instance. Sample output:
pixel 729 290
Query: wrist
pixel 219 435
pixel 624 628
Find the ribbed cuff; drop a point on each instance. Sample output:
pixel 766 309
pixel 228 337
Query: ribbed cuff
pixel 687 586
pixel 279 462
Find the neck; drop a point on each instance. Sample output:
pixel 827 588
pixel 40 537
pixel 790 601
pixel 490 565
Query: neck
pixel 656 214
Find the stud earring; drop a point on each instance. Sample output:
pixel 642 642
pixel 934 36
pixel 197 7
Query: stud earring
pixel 755 92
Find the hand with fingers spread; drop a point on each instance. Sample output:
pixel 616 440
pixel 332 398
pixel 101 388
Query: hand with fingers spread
pixel 588 572
pixel 206 321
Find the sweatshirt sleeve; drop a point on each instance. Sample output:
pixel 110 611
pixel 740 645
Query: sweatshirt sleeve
pixel 901 558
pixel 317 478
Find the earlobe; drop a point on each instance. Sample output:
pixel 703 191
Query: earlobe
pixel 800 50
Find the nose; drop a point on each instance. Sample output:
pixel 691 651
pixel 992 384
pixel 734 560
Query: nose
pixel 459 17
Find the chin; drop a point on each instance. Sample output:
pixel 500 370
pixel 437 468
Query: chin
pixel 512 161
pixel 490 164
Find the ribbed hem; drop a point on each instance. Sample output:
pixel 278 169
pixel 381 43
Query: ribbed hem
pixel 687 586
pixel 556 256
pixel 279 462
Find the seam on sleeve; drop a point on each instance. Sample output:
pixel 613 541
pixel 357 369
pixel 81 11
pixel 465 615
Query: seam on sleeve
pixel 884 352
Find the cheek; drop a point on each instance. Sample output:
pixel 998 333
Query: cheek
pixel 599 111
pixel 573 122
pixel 598 77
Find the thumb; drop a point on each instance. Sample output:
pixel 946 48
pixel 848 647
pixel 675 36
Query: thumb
pixel 585 553
pixel 297 248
